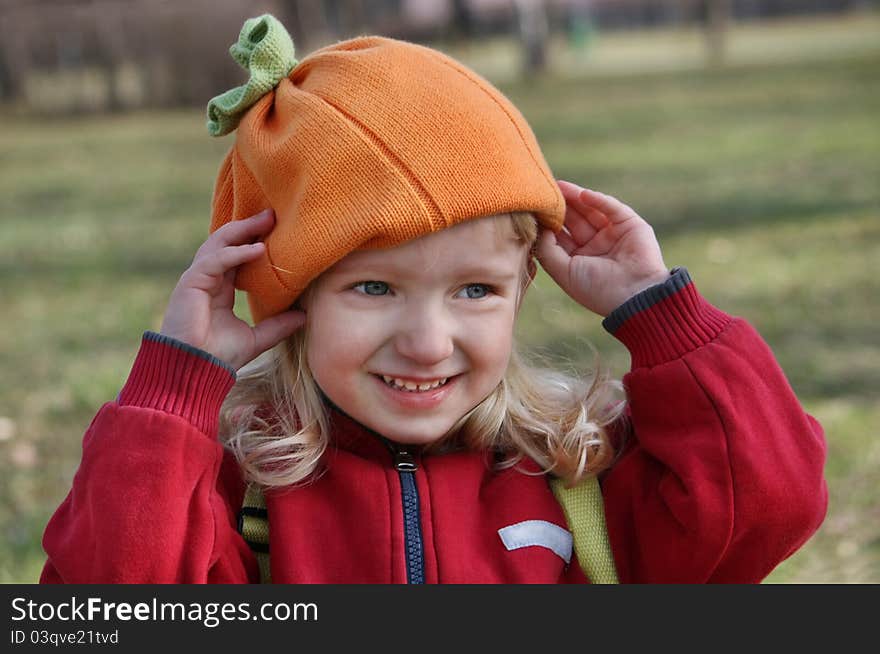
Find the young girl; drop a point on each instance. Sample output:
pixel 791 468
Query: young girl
pixel 383 206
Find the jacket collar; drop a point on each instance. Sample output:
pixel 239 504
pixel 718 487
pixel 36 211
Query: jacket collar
pixel 356 438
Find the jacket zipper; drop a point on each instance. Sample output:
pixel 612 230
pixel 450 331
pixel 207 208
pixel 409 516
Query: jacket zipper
pixel 406 467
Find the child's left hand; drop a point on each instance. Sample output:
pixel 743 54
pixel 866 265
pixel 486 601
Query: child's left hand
pixel 605 254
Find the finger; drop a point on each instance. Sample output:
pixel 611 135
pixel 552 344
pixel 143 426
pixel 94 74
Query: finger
pixel 566 242
pixel 570 191
pixel 597 219
pixel 220 262
pixel 577 199
pixel 602 243
pixel 578 225
pixel 273 330
pixel 553 256
pixel 615 210
pixel 585 199
pixel 241 231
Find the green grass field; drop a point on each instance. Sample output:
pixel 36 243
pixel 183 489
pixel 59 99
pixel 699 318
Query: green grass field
pixel 761 178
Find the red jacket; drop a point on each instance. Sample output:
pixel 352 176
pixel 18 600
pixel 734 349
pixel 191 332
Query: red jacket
pixel 720 481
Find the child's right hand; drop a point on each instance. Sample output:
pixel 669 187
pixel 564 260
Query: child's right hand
pixel 200 311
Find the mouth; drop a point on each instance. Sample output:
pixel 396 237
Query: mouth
pixel 411 386
pixel 416 400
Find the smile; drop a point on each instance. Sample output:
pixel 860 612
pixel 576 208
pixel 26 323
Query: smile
pixel 414 398
pixel 411 386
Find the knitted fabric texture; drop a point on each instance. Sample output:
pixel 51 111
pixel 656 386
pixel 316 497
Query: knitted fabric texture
pixel 585 512
pixel 366 144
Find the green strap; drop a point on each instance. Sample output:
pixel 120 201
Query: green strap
pixel 585 513
pixel 253 524
pixel 582 505
pixel 265 50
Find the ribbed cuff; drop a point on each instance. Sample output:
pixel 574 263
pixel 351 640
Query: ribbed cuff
pixel 665 321
pixel 176 378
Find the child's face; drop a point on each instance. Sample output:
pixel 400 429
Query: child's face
pixel 440 306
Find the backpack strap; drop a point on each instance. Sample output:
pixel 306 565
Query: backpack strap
pixel 253 525
pixel 585 513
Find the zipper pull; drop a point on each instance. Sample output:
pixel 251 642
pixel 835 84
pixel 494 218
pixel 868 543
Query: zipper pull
pixel 404 461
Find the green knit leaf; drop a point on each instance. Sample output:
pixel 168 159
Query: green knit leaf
pixel 265 50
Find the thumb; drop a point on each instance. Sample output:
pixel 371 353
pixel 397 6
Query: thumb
pixel 554 259
pixel 273 330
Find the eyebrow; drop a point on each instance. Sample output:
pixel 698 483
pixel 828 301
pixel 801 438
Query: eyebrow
pixel 473 270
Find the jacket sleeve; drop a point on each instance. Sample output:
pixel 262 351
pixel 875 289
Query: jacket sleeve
pixel 722 477
pixel 154 499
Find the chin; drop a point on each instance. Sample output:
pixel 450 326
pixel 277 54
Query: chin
pixel 414 437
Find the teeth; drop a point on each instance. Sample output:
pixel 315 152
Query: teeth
pixel 403 384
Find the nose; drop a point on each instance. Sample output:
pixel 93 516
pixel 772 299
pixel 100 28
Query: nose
pixel 425 335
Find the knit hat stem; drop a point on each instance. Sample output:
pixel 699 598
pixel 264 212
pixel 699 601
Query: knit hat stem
pixel 266 51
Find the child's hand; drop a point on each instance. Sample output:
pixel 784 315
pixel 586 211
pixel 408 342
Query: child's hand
pixel 607 255
pixel 200 309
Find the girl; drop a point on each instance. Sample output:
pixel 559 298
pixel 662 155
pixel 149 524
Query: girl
pixel 383 207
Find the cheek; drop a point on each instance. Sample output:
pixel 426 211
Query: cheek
pixel 339 341
pixel 490 341
pixel 321 353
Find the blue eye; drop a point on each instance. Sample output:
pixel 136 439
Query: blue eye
pixel 372 286
pixel 485 288
pixel 378 289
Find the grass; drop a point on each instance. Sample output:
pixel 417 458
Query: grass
pixel 761 178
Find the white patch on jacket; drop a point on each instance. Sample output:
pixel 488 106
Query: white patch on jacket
pixel 540 533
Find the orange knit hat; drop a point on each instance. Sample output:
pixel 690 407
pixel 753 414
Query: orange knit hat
pixel 367 143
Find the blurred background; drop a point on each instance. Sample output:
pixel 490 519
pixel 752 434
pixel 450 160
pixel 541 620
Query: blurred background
pixel 745 131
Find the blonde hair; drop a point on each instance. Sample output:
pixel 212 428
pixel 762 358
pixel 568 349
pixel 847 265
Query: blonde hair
pixel 277 425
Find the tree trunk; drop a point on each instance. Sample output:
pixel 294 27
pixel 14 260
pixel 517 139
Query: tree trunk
pixel 14 62
pixel 717 26
pixel 534 34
